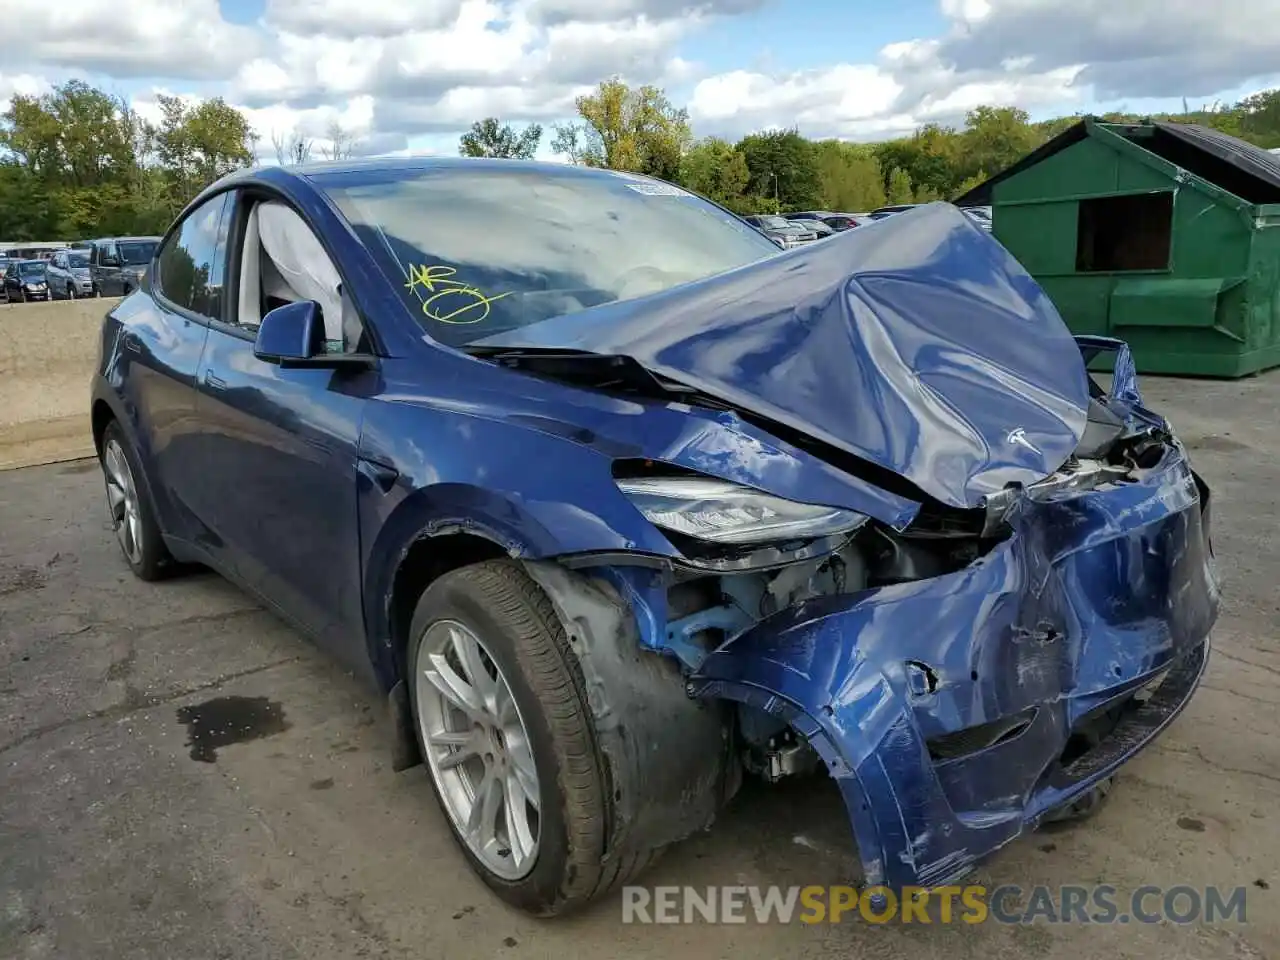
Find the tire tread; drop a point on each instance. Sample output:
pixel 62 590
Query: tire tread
pixel 553 673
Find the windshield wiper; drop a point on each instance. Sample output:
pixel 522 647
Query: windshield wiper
pixel 611 372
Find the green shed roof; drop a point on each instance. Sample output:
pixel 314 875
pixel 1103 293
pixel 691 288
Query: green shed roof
pixel 1233 165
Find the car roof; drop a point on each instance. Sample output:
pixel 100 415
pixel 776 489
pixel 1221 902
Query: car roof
pixel 324 170
pixel 318 175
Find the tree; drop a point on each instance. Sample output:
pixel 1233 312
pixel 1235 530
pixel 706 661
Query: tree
pixel 976 180
pixel 931 157
pixel 74 135
pixel 995 138
pixel 292 149
pixel 195 145
pixel 29 210
pixel 1259 118
pixel 626 129
pixel 570 141
pixel 783 167
pixel 900 188
pixel 713 168
pixel 342 145
pixel 489 138
pixel 77 162
pixel 849 177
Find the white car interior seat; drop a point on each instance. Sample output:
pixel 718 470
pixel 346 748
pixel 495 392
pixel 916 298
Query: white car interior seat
pixel 284 260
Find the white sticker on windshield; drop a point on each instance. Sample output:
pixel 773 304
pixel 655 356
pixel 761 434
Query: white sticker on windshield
pixel 657 189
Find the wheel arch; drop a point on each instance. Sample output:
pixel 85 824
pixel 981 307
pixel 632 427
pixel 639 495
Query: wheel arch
pixel 101 415
pixel 430 531
pixel 391 596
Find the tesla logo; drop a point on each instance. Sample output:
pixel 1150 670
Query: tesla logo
pixel 1019 437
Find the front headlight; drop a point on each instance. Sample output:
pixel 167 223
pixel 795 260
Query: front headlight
pixel 721 512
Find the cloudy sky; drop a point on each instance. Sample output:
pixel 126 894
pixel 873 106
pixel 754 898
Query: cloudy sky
pixel 411 76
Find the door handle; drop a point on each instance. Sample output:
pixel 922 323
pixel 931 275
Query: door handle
pixel 213 381
pixel 383 476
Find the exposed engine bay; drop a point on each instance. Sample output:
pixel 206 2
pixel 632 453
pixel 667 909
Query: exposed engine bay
pixel 708 609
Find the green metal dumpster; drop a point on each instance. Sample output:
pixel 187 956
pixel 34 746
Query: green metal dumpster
pixel 1165 235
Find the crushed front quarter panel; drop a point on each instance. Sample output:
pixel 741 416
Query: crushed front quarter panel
pixel 1091 597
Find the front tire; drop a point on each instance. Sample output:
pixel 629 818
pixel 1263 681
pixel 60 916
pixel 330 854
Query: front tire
pixel 71 291
pixel 132 516
pixel 501 717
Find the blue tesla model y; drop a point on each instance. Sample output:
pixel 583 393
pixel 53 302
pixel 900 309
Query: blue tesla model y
pixel 615 502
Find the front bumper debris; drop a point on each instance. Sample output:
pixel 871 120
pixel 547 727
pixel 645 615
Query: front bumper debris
pixel 954 713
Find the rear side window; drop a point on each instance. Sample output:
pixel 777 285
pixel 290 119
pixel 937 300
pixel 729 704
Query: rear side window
pixel 191 260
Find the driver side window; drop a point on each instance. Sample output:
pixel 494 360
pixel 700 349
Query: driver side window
pixel 282 261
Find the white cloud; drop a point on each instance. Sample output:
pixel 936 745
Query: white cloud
pixel 602 11
pixel 20 84
pixel 185 39
pixel 1034 54
pixel 830 100
pixel 1127 48
pixel 345 18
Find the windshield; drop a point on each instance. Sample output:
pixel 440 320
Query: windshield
pixel 77 261
pixel 483 250
pixel 136 252
pixel 31 268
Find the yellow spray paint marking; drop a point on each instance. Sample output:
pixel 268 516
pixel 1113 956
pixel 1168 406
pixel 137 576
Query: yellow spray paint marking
pixel 442 293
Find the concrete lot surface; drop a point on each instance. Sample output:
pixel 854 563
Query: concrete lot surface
pixel 115 842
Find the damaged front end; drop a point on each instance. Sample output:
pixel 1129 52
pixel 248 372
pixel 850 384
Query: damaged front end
pixel 964 676
pixel 1010 598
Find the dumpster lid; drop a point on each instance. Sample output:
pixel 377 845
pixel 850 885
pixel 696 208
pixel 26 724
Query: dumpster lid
pixel 1234 165
pixel 1237 166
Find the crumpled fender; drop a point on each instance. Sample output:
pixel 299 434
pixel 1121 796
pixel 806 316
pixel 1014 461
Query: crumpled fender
pixel 669 758
pixel 1089 599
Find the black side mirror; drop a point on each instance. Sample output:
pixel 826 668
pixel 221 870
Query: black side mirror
pixel 292 335
pixel 110 261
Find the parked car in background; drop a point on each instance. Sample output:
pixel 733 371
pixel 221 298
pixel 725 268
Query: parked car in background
pixel 806 215
pixel 612 523
pixel 979 215
pixel 118 264
pixel 889 211
pixel 68 275
pixel 815 226
pixel 839 222
pixel 25 280
pixel 833 222
pixel 781 230
pixel 836 222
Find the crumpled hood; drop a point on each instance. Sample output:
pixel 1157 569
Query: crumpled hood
pixel 917 343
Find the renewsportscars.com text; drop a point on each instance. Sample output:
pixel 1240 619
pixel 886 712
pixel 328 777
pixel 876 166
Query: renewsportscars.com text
pixel 972 904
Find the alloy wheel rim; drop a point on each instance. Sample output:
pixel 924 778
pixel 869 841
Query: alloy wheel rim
pixel 122 500
pixel 478 749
